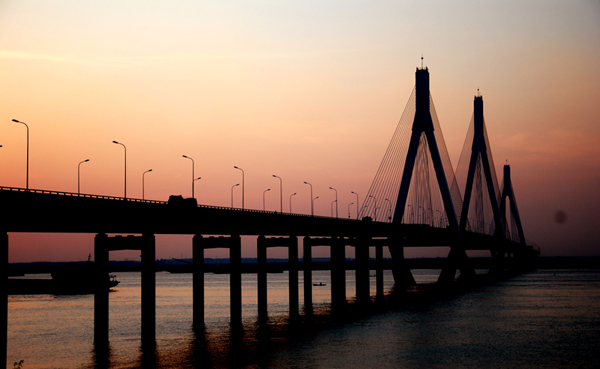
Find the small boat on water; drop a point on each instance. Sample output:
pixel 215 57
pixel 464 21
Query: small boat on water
pixel 69 280
pixel 319 284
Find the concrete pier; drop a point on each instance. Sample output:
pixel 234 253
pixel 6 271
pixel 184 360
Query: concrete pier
pixel 362 269
pixel 148 250
pixel 100 290
pixel 233 243
pixel 338 270
pixel 262 243
pixel 307 267
pixel 4 294
pixel 102 246
pixel 198 282
pixel 379 291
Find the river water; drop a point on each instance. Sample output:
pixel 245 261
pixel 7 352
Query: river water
pixel 541 319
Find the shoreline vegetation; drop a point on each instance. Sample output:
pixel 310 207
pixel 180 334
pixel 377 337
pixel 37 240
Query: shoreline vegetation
pixel 279 265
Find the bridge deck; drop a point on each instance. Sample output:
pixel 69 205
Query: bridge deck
pixel 63 212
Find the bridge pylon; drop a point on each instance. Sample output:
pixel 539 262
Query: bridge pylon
pixel 481 170
pixel 423 137
pixel 507 192
pixel 480 161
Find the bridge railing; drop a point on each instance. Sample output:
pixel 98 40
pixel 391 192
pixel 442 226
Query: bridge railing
pixel 129 199
pixel 82 195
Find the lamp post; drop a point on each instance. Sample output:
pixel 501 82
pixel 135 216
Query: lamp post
pixel 349 209
pixel 332 207
pixel 264 192
pixel 78 174
pixel 125 169
pixel 356 203
pixel 374 199
pixel 336 206
pixel 390 211
pixel 280 193
pixel 27 178
pixel 143 185
pixel 312 212
pixel 290 200
pixel 232 187
pixel 197 179
pixel 193 180
pixel 243 185
pixel 313 200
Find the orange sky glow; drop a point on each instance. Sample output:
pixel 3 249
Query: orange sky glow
pixel 309 91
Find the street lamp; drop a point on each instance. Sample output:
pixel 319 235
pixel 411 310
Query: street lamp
pixel 290 201
pixel 193 180
pixel 312 212
pixel 78 173
pixel 143 186
pixel 336 206
pixel 313 200
pixel 332 207
pixel 265 191
pixel 356 203
pixel 349 209
pixel 374 199
pixel 125 148
pixel 232 187
pixel 27 180
pixel 390 213
pixel 280 193
pixel 243 185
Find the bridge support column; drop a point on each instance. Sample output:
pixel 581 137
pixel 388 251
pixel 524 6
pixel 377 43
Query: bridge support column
pixel 235 280
pixel 363 292
pixel 457 259
pixel 100 291
pixel 403 277
pixel 4 292
pixel 379 272
pixel 338 271
pixel 261 277
pixel 307 266
pixel 148 247
pixel 293 275
pixel 198 282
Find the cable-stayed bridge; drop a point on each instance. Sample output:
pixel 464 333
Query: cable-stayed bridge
pixel 416 200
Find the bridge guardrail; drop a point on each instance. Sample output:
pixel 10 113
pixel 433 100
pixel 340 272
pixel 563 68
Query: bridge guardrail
pixel 129 199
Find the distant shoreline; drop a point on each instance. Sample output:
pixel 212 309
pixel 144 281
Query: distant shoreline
pixel 559 262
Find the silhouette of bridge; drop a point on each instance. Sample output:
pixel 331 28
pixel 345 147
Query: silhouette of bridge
pixel 415 200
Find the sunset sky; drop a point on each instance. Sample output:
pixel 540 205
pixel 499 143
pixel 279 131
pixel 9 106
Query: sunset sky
pixel 306 90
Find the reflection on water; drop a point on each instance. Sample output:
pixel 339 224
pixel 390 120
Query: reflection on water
pixel 541 319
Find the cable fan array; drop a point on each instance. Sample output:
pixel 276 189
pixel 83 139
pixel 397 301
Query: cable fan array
pixel 424 203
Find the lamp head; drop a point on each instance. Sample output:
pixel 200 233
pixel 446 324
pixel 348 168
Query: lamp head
pixel 16 121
